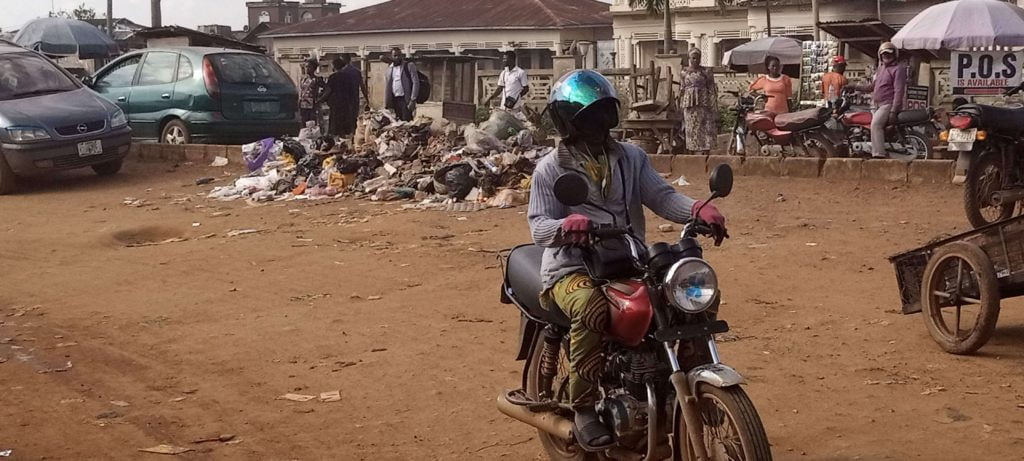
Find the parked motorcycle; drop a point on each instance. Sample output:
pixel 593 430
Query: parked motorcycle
pixel 665 392
pixel 907 140
pixel 799 133
pixel 990 139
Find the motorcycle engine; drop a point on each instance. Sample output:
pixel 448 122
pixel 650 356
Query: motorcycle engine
pixel 624 408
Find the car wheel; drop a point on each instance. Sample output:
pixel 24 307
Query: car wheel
pixel 175 132
pixel 7 177
pixel 108 168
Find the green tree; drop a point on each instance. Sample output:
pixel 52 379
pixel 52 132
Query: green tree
pixel 654 8
pixel 83 12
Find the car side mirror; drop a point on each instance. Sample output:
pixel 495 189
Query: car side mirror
pixel 720 181
pixel 571 189
pixel 88 81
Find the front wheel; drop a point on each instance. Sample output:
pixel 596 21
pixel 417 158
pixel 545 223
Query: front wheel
pixel 987 175
pixel 732 427
pixel 175 132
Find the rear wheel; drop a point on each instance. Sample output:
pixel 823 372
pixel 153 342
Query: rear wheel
pixel 109 168
pixel 987 175
pixel 960 285
pixel 732 428
pixel 7 178
pixel 175 132
pixel 818 145
pixel 556 449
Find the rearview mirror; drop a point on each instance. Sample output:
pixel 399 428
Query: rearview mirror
pixel 720 181
pixel 571 189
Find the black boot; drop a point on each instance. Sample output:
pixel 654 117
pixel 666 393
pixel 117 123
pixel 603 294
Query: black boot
pixel 590 433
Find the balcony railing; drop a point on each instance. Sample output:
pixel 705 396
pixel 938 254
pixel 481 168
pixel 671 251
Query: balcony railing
pixel 623 5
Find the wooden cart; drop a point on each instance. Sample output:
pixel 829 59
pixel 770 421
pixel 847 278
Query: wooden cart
pixel 959 281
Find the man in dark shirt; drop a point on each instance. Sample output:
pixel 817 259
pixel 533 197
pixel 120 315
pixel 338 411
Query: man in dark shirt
pixel 342 96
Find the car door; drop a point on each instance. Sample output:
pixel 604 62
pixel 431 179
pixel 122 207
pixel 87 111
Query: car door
pixel 153 93
pixel 115 81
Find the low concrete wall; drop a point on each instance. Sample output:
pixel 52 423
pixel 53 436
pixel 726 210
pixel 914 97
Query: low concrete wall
pixel 846 169
pixel 196 153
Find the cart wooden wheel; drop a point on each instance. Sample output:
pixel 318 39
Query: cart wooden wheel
pixel 960 286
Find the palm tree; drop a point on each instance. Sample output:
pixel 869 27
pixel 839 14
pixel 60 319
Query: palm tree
pixel 655 7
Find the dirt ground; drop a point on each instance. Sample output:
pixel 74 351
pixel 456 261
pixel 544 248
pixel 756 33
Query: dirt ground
pixel 108 348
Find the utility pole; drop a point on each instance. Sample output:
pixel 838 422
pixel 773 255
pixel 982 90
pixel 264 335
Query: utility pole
pixel 768 16
pixel 669 39
pixel 110 18
pixel 155 8
pixel 816 14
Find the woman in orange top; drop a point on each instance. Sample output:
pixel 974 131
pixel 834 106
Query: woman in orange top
pixel 779 87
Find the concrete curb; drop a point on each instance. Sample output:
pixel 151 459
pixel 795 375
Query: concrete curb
pixel 205 153
pixel 845 169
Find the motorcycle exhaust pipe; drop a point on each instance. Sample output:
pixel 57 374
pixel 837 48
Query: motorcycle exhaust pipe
pixel 546 421
pixel 1007 197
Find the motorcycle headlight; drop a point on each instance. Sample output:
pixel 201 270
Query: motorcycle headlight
pixel 118 119
pixel 27 134
pixel 691 285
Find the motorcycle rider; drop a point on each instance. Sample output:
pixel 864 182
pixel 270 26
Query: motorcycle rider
pixel 888 87
pixel 584 108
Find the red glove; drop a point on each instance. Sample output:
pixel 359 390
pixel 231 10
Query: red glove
pixel 711 216
pixel 576 228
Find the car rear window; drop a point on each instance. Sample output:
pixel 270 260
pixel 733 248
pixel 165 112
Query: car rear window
pixel 248 68
pixel 23 75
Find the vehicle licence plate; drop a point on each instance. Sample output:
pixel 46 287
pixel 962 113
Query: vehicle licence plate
pixel 263 107
pixel 962 140
pixel 90 148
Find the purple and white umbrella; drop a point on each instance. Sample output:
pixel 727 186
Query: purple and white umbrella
pixel 963 25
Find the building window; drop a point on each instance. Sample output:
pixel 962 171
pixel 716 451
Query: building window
pixel 264 16
pixel 307 16
pixel 288 18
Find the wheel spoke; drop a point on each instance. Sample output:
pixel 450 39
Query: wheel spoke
pixel 957 332
pixel 942 294
pixel 970 300
pixel 959 275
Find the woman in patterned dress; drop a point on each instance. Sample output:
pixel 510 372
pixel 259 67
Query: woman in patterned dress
pixel 700 105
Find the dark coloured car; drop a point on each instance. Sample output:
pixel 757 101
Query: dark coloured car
pixel 49 121
pixel 201 95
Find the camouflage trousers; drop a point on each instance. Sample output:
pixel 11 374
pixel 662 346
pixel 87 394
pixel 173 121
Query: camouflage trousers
pixel 587 309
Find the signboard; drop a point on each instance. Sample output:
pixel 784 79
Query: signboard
pixel 985 72
pixel 917 97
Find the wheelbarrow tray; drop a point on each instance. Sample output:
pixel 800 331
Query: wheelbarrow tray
pixel 1002 242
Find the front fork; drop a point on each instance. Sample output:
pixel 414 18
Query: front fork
pixel 688 402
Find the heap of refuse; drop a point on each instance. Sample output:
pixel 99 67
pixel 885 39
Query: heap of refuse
pixel 433 162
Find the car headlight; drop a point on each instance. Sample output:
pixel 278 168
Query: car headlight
pixel 27 134
pixel 118 119
pixel 691 285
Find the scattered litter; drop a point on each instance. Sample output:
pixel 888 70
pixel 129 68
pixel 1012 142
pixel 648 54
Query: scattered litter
pixel 332 396
pixel 6 453
pixel 236 233
pixel 205 181
pixel 111 414
pixel 67 401
pixel 781 198
pixel 162 242
pixel 811 244
pixel 119 403
pixel 667 228
pixel 297 397
pixel 223 438
pixel 682 181
pixel 62 369
pixel 310 297
pixel 165 449
pixel 3 359
pixel 374 298
pixel 196 224
pixel 177 399
pixel 219 161
pixel 379 349
pixel 933 390
pixel 68 344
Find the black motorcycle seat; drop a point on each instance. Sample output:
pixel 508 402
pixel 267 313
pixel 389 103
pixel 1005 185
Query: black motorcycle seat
pixel 802 120
pixel 913 116
pixel 524 280
pixel 1007 119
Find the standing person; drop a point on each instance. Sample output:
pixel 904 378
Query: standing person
pixel 700 105
pixel 349 86
pixel 890 86
pixel 311 87
pixel 585 108
pixel 777 86
pixel 832 83
pixel 513 84
pixel 335 97
pixel 401 86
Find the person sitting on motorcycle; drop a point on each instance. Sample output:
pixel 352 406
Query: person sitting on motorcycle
pixel 888 87
pixel 776 85
pixel 584 108
pixel 832 83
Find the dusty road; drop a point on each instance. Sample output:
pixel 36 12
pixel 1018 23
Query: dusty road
pixel 199 338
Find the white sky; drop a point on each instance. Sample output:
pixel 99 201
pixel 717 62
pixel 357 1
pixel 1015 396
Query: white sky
pixel 188 13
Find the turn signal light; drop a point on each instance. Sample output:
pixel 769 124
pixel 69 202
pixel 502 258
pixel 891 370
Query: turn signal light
pixel 944 136
pixel 981 136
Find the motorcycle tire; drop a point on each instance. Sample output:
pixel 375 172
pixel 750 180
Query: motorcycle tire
pixel 733 403
pixel 978 188
pixel 936 280
pixel 822 146
pixel 556 449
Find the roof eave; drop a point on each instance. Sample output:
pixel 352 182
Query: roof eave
pixel 387 31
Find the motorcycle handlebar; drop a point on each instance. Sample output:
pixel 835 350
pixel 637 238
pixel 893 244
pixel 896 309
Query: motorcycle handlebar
pixel 607 230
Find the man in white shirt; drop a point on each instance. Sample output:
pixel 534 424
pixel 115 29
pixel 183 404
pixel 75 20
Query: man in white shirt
pixel 401 87
pixel 513 84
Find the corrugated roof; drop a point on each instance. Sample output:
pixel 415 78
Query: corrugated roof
pixel 409 15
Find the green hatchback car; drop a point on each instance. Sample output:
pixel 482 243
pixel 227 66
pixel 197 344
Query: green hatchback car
pixel 201 95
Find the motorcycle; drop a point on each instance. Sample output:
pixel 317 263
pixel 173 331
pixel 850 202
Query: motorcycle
pixel 988 139
pixel 665 393
pixel 907 140
pixel 792 134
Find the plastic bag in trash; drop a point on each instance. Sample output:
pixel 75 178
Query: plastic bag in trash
pixel 509 198
pixel 502 125
pixel 457 179
pixel 478 141
pixel 258 153
pixel 294 148
pixel 524 139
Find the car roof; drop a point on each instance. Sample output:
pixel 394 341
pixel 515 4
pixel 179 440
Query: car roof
pixel 197 50
pixel 9 47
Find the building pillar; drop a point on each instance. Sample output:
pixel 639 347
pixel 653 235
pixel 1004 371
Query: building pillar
pixel 630 50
